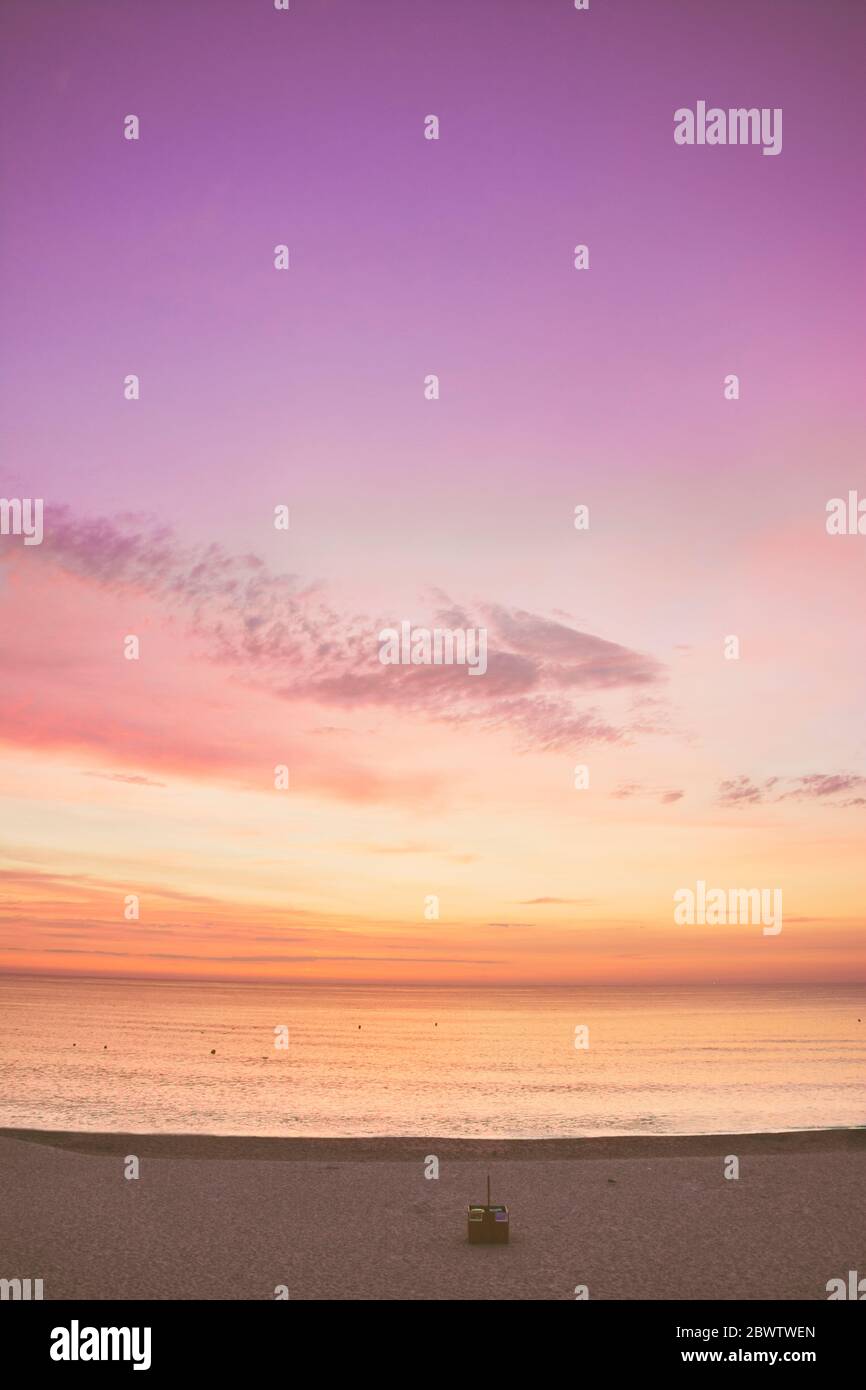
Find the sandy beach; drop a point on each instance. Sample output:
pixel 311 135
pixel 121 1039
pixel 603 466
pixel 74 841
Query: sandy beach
pixel 233 1218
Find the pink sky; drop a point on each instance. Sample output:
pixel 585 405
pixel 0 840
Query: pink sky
pixel 604 387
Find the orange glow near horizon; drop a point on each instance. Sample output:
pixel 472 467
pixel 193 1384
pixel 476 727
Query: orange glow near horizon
pixel 155 778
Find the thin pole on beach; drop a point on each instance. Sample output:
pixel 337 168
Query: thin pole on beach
pixel 488 1189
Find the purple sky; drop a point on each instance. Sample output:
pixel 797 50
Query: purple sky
pixel 453 257
pixel 412 256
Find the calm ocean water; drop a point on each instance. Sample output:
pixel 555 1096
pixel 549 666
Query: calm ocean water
pixel 109 1055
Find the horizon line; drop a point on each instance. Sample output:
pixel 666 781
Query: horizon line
pixel 83 977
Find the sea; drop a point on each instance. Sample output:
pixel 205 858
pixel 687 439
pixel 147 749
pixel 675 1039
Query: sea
pixel 220 1058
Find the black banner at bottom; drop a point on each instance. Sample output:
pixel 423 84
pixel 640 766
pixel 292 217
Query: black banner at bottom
pixel 162 1338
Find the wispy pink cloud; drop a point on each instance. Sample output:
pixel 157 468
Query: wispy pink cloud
pixel 279 634
pixel 814 786
pixel 666 796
